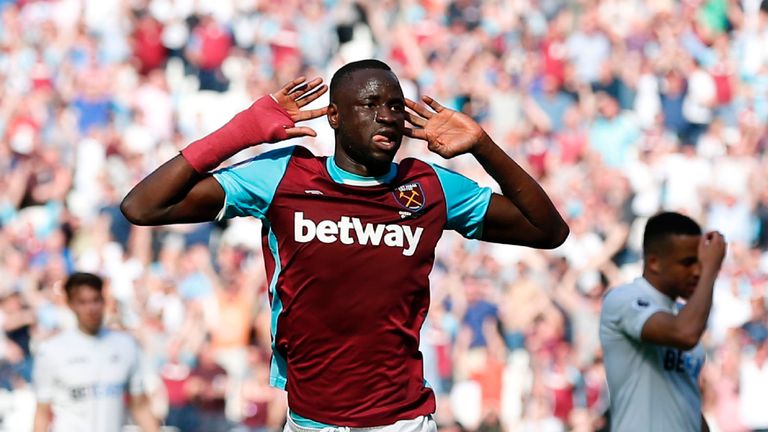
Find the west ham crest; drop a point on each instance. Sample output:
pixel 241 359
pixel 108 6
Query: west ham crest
pixel 410 196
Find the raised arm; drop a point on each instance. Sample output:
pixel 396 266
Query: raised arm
pixel 182 190
pixel 523 214
pixel 173 193
pixel 684 330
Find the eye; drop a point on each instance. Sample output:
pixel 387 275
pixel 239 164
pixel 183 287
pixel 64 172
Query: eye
pixel 690 262
pixel 369 105
pixel 398 107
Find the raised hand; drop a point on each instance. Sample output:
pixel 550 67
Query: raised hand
pixel 712 248
pixel 295 95
pixel 447 132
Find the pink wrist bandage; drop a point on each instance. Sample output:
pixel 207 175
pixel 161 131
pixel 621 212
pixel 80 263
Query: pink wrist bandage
pixel 264 121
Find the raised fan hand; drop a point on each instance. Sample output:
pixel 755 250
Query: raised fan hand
pixel 294 96
pixel 447 132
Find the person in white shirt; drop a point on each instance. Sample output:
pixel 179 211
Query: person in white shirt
pixel 753 385
pixel 81 376
pixel 651 346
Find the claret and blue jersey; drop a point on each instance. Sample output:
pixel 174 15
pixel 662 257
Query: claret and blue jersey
pixel 348 260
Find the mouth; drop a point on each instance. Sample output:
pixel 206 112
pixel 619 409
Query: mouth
pixel 691 287
pixel 387 139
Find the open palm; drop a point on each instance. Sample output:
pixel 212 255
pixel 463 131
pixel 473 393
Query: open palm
pixel 447 132
pixel 294 96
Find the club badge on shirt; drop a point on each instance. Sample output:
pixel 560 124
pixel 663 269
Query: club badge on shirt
pixel 410 196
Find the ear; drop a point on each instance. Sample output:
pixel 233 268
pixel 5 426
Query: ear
pixel 333 116
pixel 653 263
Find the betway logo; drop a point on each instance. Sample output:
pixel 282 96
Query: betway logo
pixel 350 230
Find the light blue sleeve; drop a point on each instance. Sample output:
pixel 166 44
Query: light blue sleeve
pixel 466 202
pixel 629 310
pixel 250 186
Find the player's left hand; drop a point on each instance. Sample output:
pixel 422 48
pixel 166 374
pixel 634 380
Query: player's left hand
pixel 294 96
pixel 447 132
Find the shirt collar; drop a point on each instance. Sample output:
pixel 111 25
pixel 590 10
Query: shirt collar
pixel 345 177
pixel 100 334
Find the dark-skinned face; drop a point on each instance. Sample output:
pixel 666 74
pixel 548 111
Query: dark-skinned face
pixel 368 115
pixel 678 268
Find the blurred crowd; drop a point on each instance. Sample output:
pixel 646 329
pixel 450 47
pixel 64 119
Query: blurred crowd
pixel 620 108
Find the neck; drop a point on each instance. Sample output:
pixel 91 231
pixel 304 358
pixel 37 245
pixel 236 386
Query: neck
pixel 656 284
pixel 89 331
pixel 349 165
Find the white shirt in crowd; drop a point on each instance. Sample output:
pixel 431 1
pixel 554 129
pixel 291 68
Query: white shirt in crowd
pixel 754 393
pixel 85 378
pixel 697 105
pixel 652 387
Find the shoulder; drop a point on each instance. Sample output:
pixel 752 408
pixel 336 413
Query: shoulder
pixel 279 156
pixel 57 347
pixel 411 170
pixel 620 292
pixel 633 298
pixel 63 339
pixel 284 157
pixel 301 152
pixel 121 339
pixel 48 346
pixel 410 166
pixel 622 296
pixel 448 178
pixel 304 158
pixel 119 336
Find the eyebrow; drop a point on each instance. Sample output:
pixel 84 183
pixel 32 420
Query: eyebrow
pixel 377 97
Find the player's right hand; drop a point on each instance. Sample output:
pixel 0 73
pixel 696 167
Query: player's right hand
pixel 712 248
pixel 295 95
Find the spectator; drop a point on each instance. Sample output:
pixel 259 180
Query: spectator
pixel 206 389
pixel 754 386
pixel 209 46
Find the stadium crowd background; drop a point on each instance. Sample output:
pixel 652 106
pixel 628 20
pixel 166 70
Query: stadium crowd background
pixel 619 107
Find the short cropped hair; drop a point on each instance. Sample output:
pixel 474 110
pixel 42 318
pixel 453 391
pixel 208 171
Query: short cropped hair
pixel 82 279
pixel 350 68
pixel 662 226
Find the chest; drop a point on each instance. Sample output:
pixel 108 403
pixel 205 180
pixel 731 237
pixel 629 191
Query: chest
pixel 95 367
pixel 404 219
pixel 680 362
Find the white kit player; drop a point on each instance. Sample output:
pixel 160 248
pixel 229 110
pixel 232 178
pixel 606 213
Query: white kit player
pixel 81 376
pixel 651 346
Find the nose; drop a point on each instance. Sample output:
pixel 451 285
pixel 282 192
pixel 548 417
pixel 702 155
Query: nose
pixel 696 269
pixel 384 115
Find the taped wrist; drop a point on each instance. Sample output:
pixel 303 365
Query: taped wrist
pixel 264 121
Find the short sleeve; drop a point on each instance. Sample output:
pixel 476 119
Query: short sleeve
pixel 630 310
pixel 250 186
pixel 43 378
pixel 466 202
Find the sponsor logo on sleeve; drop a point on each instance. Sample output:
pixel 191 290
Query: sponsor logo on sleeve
pixel 641 303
